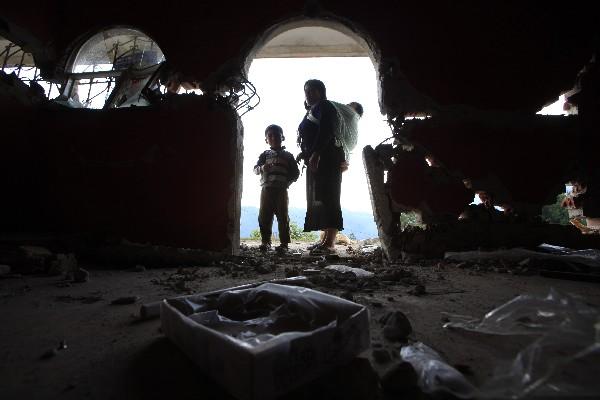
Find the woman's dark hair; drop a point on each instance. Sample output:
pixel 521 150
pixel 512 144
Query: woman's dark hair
pixel 319 85
pixel 277 129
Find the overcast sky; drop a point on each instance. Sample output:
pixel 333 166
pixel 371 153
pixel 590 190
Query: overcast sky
pixel 280 82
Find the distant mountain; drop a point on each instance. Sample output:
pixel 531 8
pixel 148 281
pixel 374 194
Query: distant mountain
pixel 359 223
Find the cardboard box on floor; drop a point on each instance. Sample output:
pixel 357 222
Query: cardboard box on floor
pixel 280 364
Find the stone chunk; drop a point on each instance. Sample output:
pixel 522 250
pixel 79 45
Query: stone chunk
pixel 358 272
pixel 397 327
pixel 63 264
pixel 34 259
pixel 418 290
pixel 81 275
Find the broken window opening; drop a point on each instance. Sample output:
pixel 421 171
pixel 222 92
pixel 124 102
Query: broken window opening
pixel 15 61
pixel 411 219
pixel 119 60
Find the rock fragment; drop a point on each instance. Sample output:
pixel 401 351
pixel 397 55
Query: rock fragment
pixel 418 290
pixel 81 275
pixel 344 269
pixel 396 327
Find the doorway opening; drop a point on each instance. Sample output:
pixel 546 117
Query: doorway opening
pixel 290 55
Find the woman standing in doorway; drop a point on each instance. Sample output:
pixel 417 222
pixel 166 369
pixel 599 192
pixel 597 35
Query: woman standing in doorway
pixel 325 159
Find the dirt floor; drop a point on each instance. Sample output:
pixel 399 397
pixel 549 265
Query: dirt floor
pixel 110 354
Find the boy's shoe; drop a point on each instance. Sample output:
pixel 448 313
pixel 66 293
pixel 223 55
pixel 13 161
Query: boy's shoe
pixel 264 247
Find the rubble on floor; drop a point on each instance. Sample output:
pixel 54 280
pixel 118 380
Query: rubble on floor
pixel 545 260
pixel 397 294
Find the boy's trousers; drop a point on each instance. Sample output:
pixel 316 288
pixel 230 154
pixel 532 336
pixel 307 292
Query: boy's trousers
pixel 274 201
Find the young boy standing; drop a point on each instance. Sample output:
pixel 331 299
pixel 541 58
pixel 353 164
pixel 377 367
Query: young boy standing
pixel 277 169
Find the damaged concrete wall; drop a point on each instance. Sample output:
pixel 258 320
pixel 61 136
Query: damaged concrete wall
pixel 493 55
pixel 499 56
pixel 148 174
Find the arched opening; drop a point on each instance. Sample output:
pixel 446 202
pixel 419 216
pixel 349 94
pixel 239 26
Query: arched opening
pixel 278 65
pixel 111 69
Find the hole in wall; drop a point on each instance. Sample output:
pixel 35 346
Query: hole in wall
pixel 559 107
pixel 279 70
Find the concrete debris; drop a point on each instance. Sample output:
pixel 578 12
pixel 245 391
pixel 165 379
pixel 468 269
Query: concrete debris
pixel 311 271
pixel 246 266
pixel 49 354
pixel 125 300
pixel 308 258
pixel 551 261
pixel 344 269
pixel 33 259
pixel 36 252
pixel 418 290
pixel 397 274
pixel 265 268
pixel 181 279
pixel 63 264
pixel 369 249
pixel 81 275
pixel 588 258
pixel 62 345
pixel 396 327
pixel 436 240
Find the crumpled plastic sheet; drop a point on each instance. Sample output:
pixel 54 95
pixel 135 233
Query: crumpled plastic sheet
pixel 434 374
pixel 254 316
pixel 563 360
pixel 528 314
